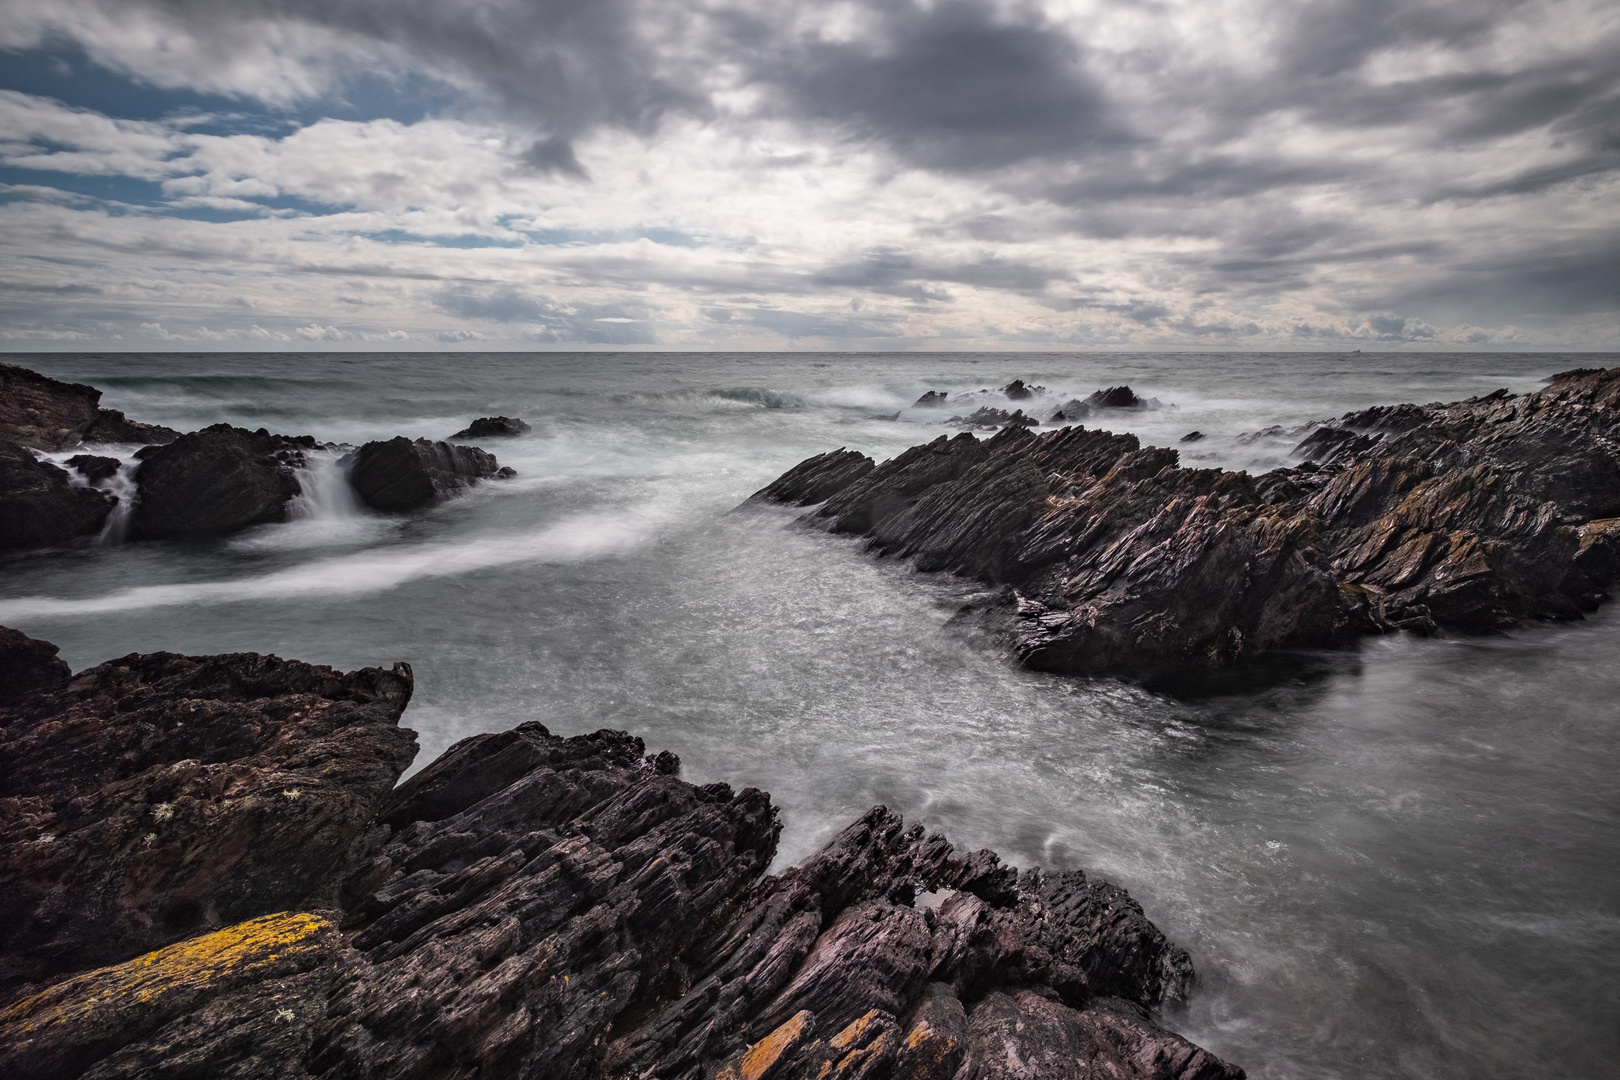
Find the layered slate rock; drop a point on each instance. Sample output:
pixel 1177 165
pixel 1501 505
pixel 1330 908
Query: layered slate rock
pixel 399 474
pixel 1112 558
pixel 47 414
pixel 158 795
pixel 40 505
pixel 215 482
pixel 534 905
pixel 493 427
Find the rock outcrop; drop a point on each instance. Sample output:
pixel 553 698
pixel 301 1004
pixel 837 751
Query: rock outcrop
pixel 40 505
pixel 398 474
pixel 247 898
pixel 46 414
pixel 933 399
pixel 216 481
pixel 493 427
pixel 1111 558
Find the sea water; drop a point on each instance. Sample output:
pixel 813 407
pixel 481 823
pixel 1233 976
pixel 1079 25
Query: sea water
pixel 1397 861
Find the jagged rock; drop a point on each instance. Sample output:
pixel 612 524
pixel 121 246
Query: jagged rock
pixel 28 666
pixel 987 417
pixel 93 467
pixel 399 475
pixel 158 795
pixel 812 480
pixel 214 482
pixel 1017 391
pixel 40 504
pixel 533 905
pixel 933 399
pixel 42 412
pixel 493 427
pixel 1114 559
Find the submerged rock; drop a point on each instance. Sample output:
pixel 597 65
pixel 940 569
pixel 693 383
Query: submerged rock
pixel 40 505
pixel 1113 559
pixel 399 475
pixel 493 427
pixel 93 467
pixel 933 399
pixel 215 482
pixel 527 905
pixel 38 411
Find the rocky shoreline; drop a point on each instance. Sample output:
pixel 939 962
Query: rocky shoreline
pixel 206 869
pixel 198 485
pixel 1109 557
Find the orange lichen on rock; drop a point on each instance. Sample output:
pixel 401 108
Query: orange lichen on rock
pixel 258 948
pixel 762 1057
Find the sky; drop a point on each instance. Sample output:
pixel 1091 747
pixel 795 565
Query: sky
pixel 764 174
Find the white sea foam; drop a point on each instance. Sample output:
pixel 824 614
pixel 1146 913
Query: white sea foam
pixel 325 513
pixel 577 539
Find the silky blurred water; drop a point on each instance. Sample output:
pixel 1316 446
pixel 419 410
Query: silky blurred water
pixel 1402 861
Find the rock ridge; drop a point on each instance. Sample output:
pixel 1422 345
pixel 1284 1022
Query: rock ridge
pixel 1112 558
pixel 249 896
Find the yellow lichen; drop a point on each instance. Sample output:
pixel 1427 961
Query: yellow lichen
pixel 239 950
pixel 765 1053
pixel 853 1031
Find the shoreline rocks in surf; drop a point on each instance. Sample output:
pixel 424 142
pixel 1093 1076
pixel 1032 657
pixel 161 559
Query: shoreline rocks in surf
pixel 248 894
pixel 201 485
pixel 47 414
pixel 399 474
pixel 1111 558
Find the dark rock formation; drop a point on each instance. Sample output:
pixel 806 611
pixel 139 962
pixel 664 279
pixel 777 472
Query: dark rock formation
pixel 1193 436
pixel 493 427
pixel 214 482
pixel 1474 515
pixel 813 480
pixel 527 905
pixel 93 467
pixel 1115 397
pixel 40 504
pixel 399 475
pixel 28 666
pixel 41 412
pixel 112 426
pixel 933 399
pixel 986 417
pixel 1017 391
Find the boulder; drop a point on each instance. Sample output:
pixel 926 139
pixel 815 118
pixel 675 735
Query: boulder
pixel 493 427
pixel 214 482
pixel 399 475
pixel 40 505
pixel 1110 558
pixel 38 411
pixel 93 467
pixel 527 905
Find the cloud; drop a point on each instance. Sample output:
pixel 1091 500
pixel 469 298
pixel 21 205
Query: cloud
pixel 625 172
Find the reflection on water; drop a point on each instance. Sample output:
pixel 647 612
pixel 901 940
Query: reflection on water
pixel 1394 862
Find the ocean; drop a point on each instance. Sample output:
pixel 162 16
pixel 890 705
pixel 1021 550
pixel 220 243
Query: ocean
pixel 1397 861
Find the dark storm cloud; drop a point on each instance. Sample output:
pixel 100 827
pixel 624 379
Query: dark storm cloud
pixel 951 86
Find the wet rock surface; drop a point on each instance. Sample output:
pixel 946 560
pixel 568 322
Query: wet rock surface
pixel 493 427
pixel 40 505
pixel 527 905
pixel 1111 558
pixel 44 413
pixel 399 474
pixel 216 481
